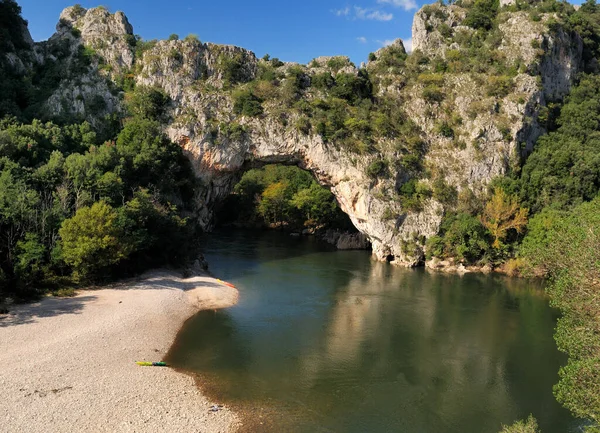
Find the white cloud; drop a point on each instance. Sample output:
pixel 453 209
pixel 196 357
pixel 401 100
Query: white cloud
pixel 362 39
pixel 342 12
pixel 371 14
pixel 405 4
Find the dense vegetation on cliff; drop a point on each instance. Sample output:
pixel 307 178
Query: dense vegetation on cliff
pixel 78 207
pixel 90 191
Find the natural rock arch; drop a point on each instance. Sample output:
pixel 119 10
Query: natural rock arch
pixel 485 142
pixel 219 165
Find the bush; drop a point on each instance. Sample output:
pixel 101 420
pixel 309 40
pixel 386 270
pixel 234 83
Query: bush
pixel 351 87
pixel 322 81
pixel 433 94
pixel 247 104
pixel 147 102
pixel 233 69
pixel 337 63
pixel 464 237
pixel 528 426
pixel 376 168
pixel 482 14
pixel 92 240
pixel 191 38
pixel 445 130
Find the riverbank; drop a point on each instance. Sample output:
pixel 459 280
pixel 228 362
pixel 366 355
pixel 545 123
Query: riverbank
pixel 68 364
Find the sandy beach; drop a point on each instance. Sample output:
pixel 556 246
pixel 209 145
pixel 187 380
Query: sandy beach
pixel 68 364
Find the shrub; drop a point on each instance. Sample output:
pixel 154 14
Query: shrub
pixel 464 238
pixel 247 104
pixel 322 81
pixel 433 94
pixel 232 69
pixel 445 130
pixel 482 14
pixel 337 63
pixel 191 38
pixel 528 426
pixel 376 168
pixel 92 240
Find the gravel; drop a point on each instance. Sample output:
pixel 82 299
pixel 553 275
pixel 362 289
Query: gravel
pixel 68 364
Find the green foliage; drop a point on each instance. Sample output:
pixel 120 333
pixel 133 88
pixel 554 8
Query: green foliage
pixel 92 240
pixel 528 426
pixel 499 86
pixel 412 194
pixel 376 168
pixel 586 22
pixel 11 27
pixel 173 37
pixel 322 81
pixel 564 169
pixel 482 14
pixel 276 63
pixel 337 63
pixel 461 236
pixel 352 88
pixel 192 37
pixel 566 246
pixel 48 173
pixel 246 103
pixel 232 68
pixel 445 130
pixel 147 102
pixel 282 196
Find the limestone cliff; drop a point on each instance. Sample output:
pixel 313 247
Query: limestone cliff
pixel 459 125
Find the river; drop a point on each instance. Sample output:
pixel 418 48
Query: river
pixel 331 341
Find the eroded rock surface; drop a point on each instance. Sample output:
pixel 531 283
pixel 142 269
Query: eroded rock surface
pixel 489 129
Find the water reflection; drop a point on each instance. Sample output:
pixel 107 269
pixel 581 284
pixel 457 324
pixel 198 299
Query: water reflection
pixel 337 342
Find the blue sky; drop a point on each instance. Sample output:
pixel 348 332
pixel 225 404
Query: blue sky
pixel 292 31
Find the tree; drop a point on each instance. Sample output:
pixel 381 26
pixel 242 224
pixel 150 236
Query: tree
pixel 273 205
pixel 569 253
pixel 482 14
pixel 317 205
pixel 502 214
pixel 247 103
pixel 147 102
pixel 461 236
pixel 528 426
pixel 92 240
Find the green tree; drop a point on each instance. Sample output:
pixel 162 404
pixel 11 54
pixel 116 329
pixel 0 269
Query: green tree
pixel 273 205
pixel 317 205
pixel 247 104
pixel 528 426
pixel 147 102
pixel 92 241
pixel 566 246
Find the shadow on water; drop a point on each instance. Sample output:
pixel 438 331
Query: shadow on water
pixel 324 341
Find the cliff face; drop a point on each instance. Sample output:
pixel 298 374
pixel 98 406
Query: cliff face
pixel 471 125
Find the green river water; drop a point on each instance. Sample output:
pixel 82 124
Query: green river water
pixel 331 341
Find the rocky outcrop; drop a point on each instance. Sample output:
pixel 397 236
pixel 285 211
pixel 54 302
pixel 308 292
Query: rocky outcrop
pixel 347 240
pixel 110 35
pixel 470 132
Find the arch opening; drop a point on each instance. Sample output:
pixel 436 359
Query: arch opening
pixel 282 195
